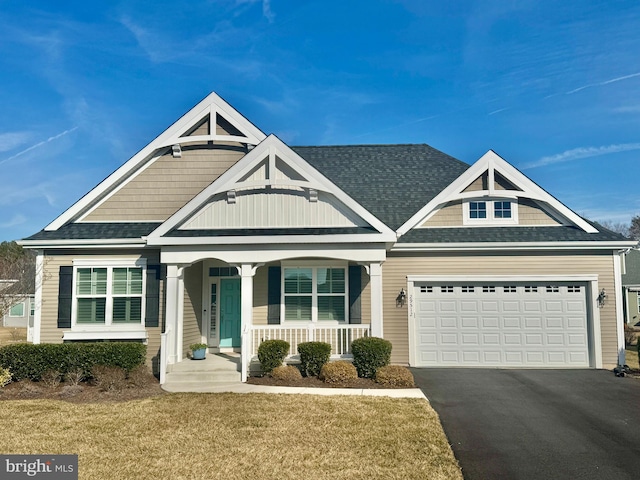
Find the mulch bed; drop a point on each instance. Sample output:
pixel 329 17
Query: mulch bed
pixel 314 382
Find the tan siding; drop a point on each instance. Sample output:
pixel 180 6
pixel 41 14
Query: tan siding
pixel 365 297
pixel 192 310
pixel 530 213
pixel 448 216
pixel 396 269
pixel 479 183
pixel 260 296
pixel 166 185
pixel 201 129
pixel 501 183
pixel 49 331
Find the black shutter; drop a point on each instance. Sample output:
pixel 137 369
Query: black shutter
pixel 273 315
pixel 355 289
pixel 65 296
pixel 152 297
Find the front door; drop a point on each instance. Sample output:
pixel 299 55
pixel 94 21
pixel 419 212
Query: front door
pixel 230 312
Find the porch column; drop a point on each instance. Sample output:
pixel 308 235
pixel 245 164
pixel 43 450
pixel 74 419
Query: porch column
pixel 375 280
pixel 247 272
pixel 175 300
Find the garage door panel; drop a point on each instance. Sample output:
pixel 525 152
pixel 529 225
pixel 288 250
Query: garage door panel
pixel 520 324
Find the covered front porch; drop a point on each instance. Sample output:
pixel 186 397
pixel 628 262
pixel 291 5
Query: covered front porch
pixel 332 296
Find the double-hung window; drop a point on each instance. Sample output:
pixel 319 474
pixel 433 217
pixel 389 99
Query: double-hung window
pixel 314 293
pixel 108 295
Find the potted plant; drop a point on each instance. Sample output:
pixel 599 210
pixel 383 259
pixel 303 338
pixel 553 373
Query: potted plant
pixel 198 351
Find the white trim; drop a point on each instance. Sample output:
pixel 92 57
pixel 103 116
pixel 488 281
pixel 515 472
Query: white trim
pixel 231 179
pixel 110 262
pixel 211 103
pixel 593 312
pixel 281 239
pixel 37 317
pixel 617 287
pixel 513 246
pixel 377 304
pixel 490 161
pixel 111 334
pixel 15 305
pixel 94 243
pixel 490 219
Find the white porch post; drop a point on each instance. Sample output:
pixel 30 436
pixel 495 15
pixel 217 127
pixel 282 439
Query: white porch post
pixel 175 293
pixel 37 313
pixel 375 278
pixel 247 272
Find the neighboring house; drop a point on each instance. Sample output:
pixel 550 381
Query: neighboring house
pixel 631 288
pixel 217 232
pixel 20 313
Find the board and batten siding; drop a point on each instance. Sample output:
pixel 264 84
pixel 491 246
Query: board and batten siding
pixel 49 331
pixel 192 307
pixel 397 267
pixel 167 184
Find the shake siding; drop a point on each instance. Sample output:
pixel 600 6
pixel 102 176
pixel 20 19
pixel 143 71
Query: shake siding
pixel 479 183
pixel 50 333
pixel 192 311
pixel 166 185
pixel 529 213
pixel 448 216
pixel 397 267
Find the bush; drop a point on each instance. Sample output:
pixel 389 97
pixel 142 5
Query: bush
pixel 271 354
pixel 51 378
pixel 140 376
pixel 395 376
pixel 338 372
pixel 369 354
pixel 313 355
pixel 75 376
pixel 108 377
pixel 30 361
pixel 5 377
pixel 286 373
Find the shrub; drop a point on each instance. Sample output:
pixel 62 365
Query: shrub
pixel 139 376
pixel 313 355
pixel 369 354
pixel 108 377
pixel 338 372
pixel 271 354
pixel 5 377
pixel 51 378
pixel 75 376
pixel 395 376
pixel 31 361
pixel 286 373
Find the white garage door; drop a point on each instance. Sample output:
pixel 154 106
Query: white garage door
pixel 511 325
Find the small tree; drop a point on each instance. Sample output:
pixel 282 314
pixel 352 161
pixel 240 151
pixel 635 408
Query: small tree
pixel 634 229
pixel 17 274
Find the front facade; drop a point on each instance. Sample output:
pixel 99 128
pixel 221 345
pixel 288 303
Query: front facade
pixel 218 233
pixel 631 288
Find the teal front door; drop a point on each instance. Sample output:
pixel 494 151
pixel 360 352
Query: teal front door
pixel 230 312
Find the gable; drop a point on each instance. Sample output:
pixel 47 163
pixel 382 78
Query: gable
pixel 492 193
pixel 271 191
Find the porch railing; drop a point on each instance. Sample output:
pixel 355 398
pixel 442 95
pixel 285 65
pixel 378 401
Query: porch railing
pixel 338 336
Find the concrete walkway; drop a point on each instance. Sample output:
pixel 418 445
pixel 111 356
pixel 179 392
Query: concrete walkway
pixel 248 388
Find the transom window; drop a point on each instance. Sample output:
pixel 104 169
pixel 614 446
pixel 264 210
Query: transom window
pixel 108 295
pixel 488 212
pixel 315 293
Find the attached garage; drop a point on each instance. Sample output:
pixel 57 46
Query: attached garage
pixel 501 323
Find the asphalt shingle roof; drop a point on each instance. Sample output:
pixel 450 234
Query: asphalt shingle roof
pixel 391 181
pixel 97 231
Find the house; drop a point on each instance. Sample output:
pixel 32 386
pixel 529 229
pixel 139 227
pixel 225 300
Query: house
pixel 220 233
pixel 20 313
pixel 631 288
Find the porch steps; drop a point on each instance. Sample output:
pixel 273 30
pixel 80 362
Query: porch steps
pixel 217 370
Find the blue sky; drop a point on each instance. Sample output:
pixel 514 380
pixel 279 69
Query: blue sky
pixel 552 87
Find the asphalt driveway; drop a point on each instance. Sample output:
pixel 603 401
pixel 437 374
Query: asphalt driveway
pixel 538 424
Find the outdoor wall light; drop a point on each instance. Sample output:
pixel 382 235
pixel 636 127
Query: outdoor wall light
pixel 602 296
pixel 401 298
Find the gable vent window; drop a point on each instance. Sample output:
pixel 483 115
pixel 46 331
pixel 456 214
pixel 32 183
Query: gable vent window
pixel 502 209
pixel 477 209
pixel 488 289
pixel 490 212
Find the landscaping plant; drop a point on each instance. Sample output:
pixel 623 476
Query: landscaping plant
pixel 286 373
pixel 313 355
pixel 369 354
pixel 271 354
pixel 395 376
pixel 338 372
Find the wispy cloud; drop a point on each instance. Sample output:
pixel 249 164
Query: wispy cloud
pixel 606 82
pixel 11 140
pixel 37 145
pixel 498 111
pixel 16 220
pixel 583 152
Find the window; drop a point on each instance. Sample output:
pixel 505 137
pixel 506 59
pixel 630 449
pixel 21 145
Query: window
pixel 502 209
pixel 17 310
pixel 509 289
pixel 490 212
pixel 32 307
pixel 477 209
pixel 105 295
pixel 467 289
pixel 315 294
pixel 488 289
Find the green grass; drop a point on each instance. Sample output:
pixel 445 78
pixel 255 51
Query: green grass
pixel 236 436
pixel 631 356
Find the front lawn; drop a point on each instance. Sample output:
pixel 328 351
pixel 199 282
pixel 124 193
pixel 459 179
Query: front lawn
pixel 236 436
pixel 631 357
